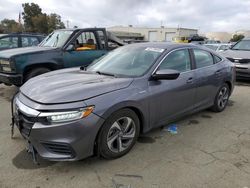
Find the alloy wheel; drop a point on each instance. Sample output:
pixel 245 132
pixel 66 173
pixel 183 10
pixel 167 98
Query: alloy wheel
pixel 223 97
pixel 121 134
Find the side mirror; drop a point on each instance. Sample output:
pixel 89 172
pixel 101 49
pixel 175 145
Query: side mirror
pixel 166 74
pixel 70 47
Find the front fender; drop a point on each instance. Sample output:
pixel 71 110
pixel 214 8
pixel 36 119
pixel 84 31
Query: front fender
pixel 107 104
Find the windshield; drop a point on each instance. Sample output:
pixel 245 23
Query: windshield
pixel 242 45
pixel 56 39
pixel 129 61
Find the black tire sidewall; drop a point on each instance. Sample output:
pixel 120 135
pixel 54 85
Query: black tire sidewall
pixel 35 72
pixel 103 148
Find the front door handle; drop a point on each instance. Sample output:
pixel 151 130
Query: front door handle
pixel 190 80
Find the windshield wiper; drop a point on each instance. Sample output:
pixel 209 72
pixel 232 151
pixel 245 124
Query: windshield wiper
pixel 57 39
pixel 105 73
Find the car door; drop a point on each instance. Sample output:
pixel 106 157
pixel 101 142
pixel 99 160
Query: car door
pixel 86 49
pixel 173 98
pixel 208 78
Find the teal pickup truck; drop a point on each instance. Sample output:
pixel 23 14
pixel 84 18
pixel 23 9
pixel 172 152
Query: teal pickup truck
pixel 61 49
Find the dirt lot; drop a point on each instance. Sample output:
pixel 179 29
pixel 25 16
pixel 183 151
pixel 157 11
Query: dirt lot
pixel 210 150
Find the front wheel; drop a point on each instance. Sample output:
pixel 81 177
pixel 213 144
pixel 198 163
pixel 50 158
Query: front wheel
pixel 221 98
pixel 118 134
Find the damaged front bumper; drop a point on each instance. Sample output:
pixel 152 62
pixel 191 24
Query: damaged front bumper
pixel 67 141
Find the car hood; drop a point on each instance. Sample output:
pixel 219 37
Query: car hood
pixel 236 54
pixel 20 51
pixel 70 85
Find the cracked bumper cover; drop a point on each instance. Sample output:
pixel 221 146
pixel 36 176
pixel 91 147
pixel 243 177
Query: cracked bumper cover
pixel 66 141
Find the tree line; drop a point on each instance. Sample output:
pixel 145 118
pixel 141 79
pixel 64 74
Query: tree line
pixel 34 20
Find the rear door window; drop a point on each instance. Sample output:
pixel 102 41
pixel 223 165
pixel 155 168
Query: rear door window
pixel 217 59
pixel 29 41
pixel 203 58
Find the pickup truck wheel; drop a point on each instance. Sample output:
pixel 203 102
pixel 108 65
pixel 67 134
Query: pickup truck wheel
pixel 35 72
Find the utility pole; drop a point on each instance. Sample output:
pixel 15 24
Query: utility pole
pixel 67 23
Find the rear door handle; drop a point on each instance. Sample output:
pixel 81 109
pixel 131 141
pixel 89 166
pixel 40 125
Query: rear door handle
pixel 190 80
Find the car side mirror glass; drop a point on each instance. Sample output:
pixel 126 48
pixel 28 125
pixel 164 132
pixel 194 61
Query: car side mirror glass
pixel 166 74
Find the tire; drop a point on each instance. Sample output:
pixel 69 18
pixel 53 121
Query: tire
pixel 35 72
pixel 123 127
pixel 221 99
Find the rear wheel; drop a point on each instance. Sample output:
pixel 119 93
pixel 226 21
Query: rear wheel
pixel 221 98
pixel 35 72
pixel 118 134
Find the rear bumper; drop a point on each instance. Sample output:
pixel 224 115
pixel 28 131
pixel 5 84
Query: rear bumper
pixel 11 79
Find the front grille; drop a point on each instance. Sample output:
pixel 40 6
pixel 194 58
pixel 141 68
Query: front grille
pixel 239 60
pixel 59 148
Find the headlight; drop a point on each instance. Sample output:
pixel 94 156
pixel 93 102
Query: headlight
pixel 57 117
pixel 6 69
pixel 7 66
pixel 4 62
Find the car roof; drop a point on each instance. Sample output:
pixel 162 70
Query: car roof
pixel 22 34
pixel 219 44
pixel 163 45
pixel 78 29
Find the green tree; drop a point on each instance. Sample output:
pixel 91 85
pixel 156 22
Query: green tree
pixel 236 37
pixel 36 21
pixel 54 22
pixel 8 26
pixel 29 12
pixel 40 23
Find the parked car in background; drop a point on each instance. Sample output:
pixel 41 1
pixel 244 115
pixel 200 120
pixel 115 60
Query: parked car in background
pixel 18 40
pixel 239 54
pixel 212 42
pixel 218 47
pixel 61 49
pixel 131 90
pixel 181 39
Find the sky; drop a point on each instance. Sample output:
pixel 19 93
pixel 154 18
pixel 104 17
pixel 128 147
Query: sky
pixel 204 15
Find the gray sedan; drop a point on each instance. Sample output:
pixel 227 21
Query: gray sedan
pixel 74 113
pixel 239 54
